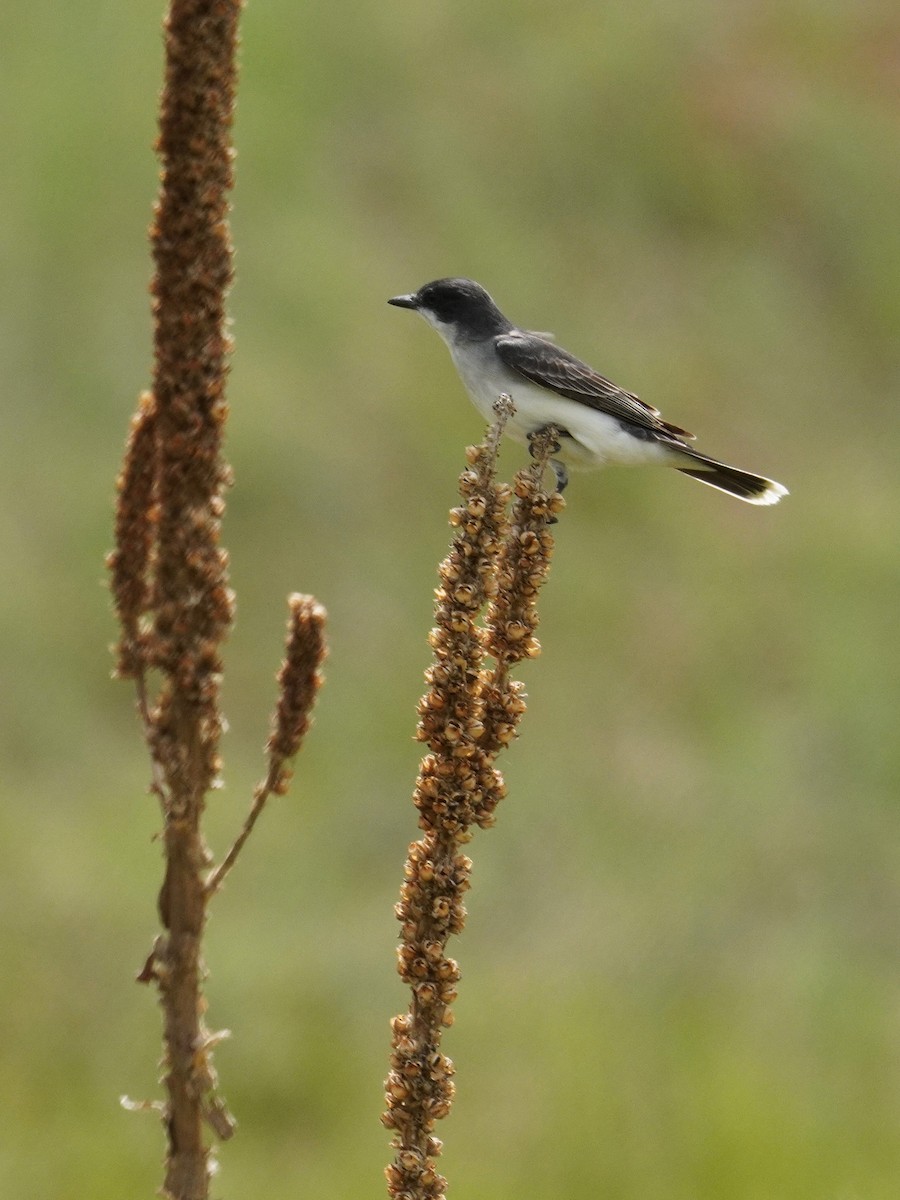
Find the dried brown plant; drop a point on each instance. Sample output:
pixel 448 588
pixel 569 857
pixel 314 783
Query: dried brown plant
pixel 170 573
pixel 299 679
pixel 469 713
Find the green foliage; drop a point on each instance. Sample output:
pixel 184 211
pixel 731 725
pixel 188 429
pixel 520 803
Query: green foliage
pixel 680 972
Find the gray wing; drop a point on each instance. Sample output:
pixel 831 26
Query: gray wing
pixel 548 365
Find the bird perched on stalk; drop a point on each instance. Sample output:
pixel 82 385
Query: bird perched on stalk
pixel 597 421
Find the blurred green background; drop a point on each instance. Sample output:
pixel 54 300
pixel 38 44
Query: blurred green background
pixel 681 971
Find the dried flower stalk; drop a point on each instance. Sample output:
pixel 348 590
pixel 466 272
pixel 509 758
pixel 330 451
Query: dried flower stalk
pixel 512 616
pixel 299 680
pixel 131 563
pixel 468 714
pixel 170 573
pixel 191 603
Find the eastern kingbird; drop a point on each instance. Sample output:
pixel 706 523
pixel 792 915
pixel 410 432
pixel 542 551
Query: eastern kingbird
pixel 598 422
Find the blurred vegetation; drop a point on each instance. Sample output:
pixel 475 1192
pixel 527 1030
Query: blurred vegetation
pixel 681 972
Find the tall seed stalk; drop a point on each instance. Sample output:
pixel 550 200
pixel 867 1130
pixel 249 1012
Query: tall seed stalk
pixel 496 565
pixel 170 573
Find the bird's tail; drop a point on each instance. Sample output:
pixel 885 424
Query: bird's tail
pixel 743 484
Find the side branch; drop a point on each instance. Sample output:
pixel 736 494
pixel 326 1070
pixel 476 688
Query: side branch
pixel 512 615
pixel 299 681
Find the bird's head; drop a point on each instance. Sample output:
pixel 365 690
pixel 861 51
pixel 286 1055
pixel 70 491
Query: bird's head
pixel 457 308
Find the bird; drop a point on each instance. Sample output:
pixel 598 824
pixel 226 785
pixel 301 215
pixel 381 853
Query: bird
pixel 595 421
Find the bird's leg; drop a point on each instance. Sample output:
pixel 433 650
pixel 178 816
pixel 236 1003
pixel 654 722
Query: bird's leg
pixel 559 469
pixel 562 475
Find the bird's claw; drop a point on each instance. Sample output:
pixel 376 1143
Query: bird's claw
pixel 553 446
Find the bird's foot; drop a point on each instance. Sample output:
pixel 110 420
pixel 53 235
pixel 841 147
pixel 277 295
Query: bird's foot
pixel 537 435
pixel 546 441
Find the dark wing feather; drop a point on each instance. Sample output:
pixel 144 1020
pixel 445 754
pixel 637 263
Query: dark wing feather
pixel 547 365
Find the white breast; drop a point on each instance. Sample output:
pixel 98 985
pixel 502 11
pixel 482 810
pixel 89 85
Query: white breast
pixel 594 438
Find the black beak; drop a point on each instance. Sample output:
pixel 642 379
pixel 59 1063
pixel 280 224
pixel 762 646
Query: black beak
pixel 404 301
